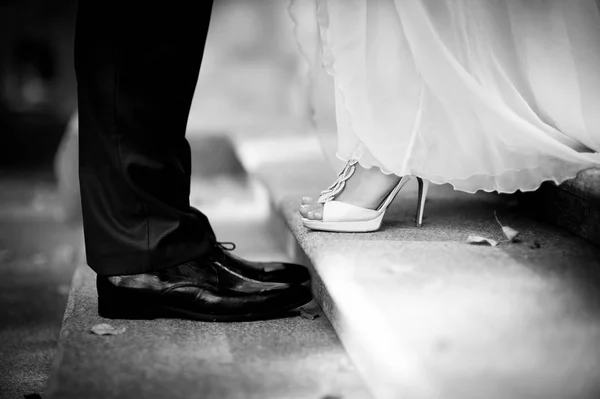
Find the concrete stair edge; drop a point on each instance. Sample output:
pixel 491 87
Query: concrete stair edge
pixel 76 282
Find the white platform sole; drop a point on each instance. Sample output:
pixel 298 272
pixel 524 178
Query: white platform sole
pixel 361 226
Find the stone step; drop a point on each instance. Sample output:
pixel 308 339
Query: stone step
pixel 38 256
pixel 294 357
pixel 422 313
pixel 573 205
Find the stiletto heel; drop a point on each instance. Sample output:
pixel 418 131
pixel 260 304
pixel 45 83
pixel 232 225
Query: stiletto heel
pixel 423 188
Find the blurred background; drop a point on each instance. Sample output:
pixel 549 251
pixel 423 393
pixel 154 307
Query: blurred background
pixel 37 81
pixel 253 77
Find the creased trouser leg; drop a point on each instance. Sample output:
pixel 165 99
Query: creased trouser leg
pixel 137 65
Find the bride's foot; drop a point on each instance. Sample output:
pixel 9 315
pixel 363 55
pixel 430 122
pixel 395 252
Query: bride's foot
pixel 367 188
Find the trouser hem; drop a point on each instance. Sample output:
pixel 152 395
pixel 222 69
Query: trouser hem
pixel 142 262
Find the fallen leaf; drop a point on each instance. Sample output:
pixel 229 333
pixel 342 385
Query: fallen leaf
pixel 309 314
pixel 510 233
pixel 107 329
pixel 478 240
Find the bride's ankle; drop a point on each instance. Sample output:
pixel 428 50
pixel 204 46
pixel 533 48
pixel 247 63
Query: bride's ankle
pixel 368 187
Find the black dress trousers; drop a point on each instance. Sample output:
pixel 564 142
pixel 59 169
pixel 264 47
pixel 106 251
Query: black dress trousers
pixel 137 63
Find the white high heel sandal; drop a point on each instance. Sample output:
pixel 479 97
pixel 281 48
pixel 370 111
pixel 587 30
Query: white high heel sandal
pixel 342 217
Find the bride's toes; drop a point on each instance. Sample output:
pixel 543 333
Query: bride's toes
pixel 304 209
pixel 311 211
pixel 316 212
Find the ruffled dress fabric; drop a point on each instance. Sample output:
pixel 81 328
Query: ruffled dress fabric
pixel 494 95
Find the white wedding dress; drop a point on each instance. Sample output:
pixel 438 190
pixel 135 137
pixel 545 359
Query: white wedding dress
pixel 482 94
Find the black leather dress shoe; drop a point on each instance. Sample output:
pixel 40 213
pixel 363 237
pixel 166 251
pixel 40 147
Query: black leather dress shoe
pixel 200 290
pixel 273 272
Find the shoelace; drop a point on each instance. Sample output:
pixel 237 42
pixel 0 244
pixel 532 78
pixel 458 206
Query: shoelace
pixel 218 252
pixel 225 245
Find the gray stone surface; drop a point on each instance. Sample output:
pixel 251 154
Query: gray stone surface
pixel 574 205
pixel 37 260
pixel 423 314
pixel 586 184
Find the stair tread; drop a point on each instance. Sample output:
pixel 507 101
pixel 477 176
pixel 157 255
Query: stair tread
pixel 464 319
pixel 424 314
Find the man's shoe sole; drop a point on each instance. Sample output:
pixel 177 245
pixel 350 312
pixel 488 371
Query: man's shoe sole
pixel 148 307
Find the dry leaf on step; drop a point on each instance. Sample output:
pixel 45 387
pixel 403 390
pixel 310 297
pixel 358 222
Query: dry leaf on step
pixel 510 233
pixel 478 240
pixel 107 329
